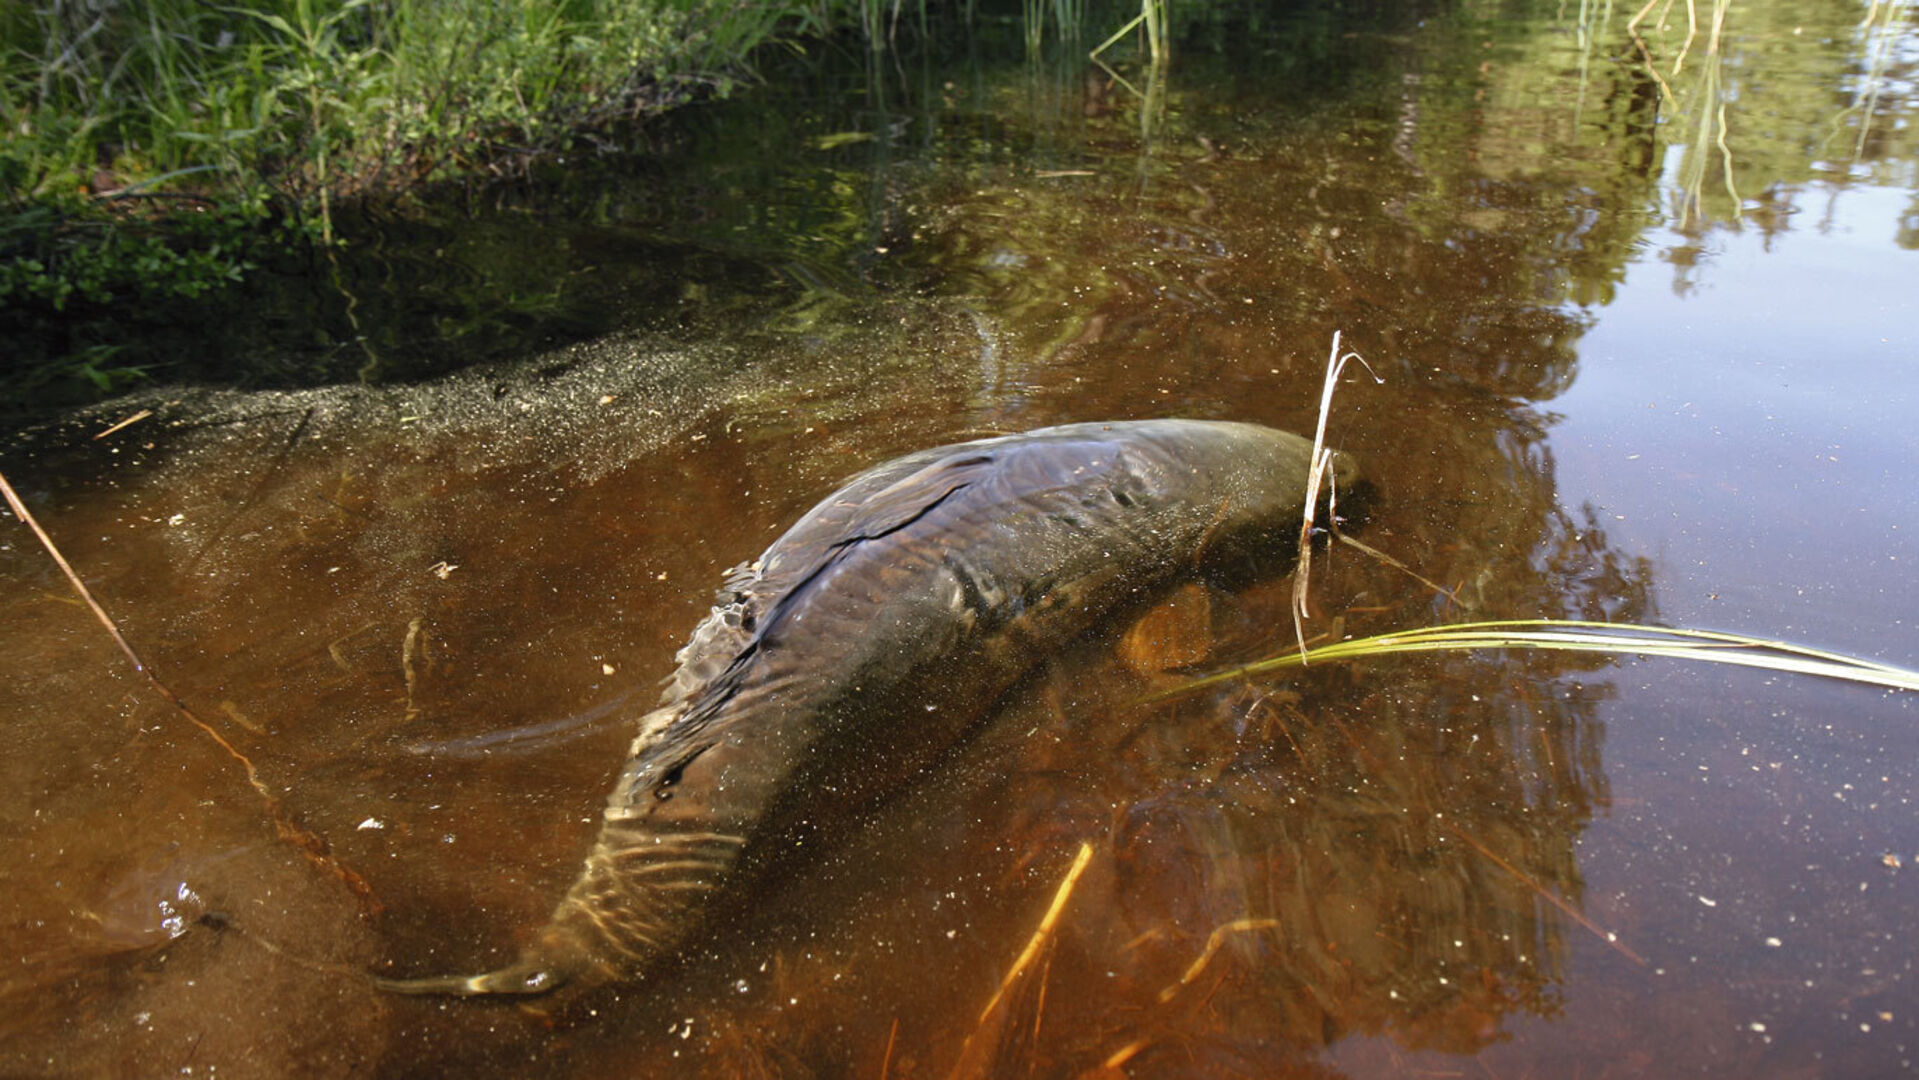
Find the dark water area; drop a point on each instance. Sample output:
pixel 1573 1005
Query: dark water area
pixel 1645 328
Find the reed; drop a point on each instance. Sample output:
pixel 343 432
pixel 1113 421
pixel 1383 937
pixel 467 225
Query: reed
pixel 1151 24
pixel 1563 635
pixel 1572 635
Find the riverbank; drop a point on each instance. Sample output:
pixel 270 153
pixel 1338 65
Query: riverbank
pixel 156 155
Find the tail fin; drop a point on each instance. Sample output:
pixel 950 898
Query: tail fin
pixel 635 898
pixel 531 975
pixel 560 955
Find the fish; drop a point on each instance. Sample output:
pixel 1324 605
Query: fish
pixel 875 634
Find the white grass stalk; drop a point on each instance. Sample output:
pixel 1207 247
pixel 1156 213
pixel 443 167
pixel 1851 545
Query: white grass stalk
pixel 1321 469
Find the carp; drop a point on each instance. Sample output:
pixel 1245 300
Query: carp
pixel 875 633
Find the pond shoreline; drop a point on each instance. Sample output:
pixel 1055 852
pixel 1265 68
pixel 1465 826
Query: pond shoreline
pixel 155 170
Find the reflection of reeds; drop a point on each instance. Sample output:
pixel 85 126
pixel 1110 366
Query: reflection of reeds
pixel 1067 17
pixel 1588 31
pixel 1878 30
pixel 1705 94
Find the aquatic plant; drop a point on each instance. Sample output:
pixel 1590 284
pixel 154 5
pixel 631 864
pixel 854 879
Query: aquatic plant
pixel 1576 635
pixel 1563 635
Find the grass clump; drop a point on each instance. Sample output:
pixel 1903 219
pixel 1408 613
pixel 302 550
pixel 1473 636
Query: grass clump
pixel 313 97
pixel 153 151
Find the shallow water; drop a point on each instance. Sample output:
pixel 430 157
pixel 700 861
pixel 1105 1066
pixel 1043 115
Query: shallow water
pixel 1612 386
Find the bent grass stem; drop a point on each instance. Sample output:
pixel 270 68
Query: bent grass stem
pixel 310 845
pixel 1573 635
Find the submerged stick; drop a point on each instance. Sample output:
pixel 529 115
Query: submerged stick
pixel 310 845
pixel 978 1054
pixel 886 1063
pixel 1214 942
pixel 1044 930
pixel 128 422
pixel 79 587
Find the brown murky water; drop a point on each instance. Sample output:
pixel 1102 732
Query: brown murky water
pixel 1618 382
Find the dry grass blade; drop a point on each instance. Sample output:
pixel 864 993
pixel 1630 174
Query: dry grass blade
pixel 310 845
pixel 1607 936
pixel 1320 468
pixel 1632 639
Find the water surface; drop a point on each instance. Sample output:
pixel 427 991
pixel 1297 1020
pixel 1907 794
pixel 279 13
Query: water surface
pixel 1631 367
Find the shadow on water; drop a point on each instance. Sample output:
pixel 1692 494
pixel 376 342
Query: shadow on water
pixel 428 610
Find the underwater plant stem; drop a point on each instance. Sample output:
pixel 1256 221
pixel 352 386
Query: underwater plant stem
pixel 1214 942
pixel 1045 929
pixel 886 1063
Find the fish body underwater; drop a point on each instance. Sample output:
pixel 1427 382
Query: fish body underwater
pixel 876 632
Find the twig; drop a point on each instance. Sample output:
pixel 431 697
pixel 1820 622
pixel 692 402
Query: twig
pixel 1213 943
pixel 1044 930
pixel 886 1063
pixel 20 511
pixel 313 847
pixel 408 652
pixel 1123 1055
pixel 1450 594
pixel 1039 1006
pixel 128 422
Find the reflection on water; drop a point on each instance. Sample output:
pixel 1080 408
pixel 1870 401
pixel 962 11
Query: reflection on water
pixel 426 612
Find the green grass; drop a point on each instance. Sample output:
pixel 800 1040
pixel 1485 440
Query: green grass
pixel 337 95
pixel 118 121
pixel 1616 639
pixel 157 151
